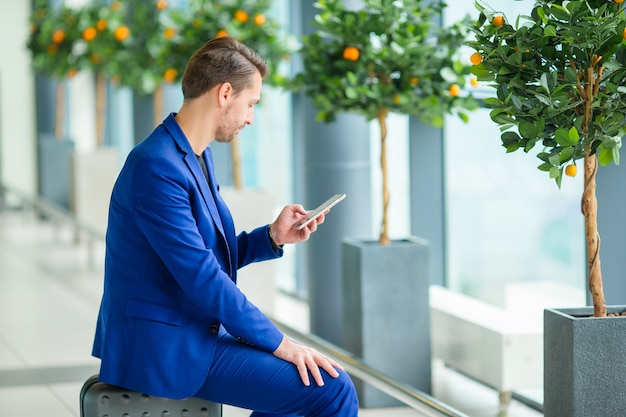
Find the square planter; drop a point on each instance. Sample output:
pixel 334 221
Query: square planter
pixel 252 208
pixel 93 176
pixel 387 313
pixel 54 169
pixel 584 363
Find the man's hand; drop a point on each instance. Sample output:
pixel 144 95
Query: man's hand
pixel 307 360
pixel 283 230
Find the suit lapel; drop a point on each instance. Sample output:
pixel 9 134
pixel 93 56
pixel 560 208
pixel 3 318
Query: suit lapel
pixel 192 164
pixel 224 213
pixel 217 208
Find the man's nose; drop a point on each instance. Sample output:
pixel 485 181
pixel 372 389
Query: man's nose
pixel 250 117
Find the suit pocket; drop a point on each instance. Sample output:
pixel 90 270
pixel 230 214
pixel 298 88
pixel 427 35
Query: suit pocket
pixel 156 312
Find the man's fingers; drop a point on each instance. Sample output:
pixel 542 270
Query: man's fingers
pixel 304 374
pixel 316 374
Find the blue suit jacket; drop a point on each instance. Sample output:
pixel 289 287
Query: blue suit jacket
pixel 170 271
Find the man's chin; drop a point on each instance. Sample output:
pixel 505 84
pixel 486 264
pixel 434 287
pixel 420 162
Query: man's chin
pixel 225 139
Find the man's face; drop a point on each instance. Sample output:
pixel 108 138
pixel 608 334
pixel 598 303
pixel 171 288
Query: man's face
pixel 239 111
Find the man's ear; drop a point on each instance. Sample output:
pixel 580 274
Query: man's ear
pixel 224 91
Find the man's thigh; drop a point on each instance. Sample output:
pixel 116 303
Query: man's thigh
pixel 247 377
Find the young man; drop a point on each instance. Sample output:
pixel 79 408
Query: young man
pixel 172 322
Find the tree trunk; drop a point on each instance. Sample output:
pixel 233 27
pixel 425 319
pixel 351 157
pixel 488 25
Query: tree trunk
pixel 589 207
pixel 59 122
pixel 157 106
pixel 236 161
pixel 382 120
pixel 589 202
pixel 101 102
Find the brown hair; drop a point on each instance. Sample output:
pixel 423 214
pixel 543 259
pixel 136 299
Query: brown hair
pixel 221 60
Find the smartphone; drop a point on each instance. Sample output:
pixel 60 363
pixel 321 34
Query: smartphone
pixel 301 224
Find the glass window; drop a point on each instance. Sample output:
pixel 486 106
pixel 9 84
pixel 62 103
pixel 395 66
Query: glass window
pixel 510 229
pixel 511 232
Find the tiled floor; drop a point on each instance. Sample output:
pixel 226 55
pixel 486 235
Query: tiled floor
pixel 49 295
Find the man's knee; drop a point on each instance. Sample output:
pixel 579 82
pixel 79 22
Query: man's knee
pixel 340 395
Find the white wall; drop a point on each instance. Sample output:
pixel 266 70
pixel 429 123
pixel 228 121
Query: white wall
pixel 17 100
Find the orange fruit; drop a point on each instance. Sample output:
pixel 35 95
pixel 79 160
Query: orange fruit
pixel 121 33
pixel 58 36
pixel 454 90
pixel 571 170
pixel 102 24
pixel 476 58
pixel 351 53
pixel 498 20
pixel 414 80
pixel 71 73
pixel 221 33
pixel 89 33
pixel 259 20
pixel 241 16
pixel 115 6
pixel 618 1
pixel 161 4
pixel 396 99
pixel 170 75
pixel 169 33
pixel 474 81
pixel 624 34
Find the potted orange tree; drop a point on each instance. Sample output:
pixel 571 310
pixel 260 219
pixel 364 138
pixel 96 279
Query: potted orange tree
pixel 52 36
pixel 559 75
pixel 90 40
pixel 386 56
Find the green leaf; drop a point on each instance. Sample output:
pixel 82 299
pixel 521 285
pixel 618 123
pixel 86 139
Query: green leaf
pixel 571 75
pixel 563 138
pixel 605 156
pixel 352 93
pixel 545 167
pixel 527 130
pixel 448 75
pixel 549 30
pixel 573 134
pixel 510 138
pixel 566 154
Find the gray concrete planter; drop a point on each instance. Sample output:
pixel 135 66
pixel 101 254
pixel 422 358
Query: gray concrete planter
pixel 54 169
pixel 387 313
pixel 584 363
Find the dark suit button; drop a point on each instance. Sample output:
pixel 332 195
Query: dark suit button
pixel 214 328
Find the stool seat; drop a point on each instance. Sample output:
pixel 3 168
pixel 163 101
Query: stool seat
pixel 98 399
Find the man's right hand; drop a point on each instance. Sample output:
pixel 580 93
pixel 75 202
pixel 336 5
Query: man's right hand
pixel 307 360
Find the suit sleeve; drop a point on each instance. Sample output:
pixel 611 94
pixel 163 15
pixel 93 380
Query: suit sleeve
pixel 162 210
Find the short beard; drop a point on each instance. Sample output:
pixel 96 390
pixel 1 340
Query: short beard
pixel 222 137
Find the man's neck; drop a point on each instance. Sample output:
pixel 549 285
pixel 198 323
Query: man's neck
pixel 195 122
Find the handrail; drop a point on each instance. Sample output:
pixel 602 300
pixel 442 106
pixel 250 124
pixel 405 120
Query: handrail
pixel 408 395
pixel 53 210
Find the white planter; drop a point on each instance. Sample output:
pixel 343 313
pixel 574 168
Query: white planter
pixel 252 208
pixel 93 175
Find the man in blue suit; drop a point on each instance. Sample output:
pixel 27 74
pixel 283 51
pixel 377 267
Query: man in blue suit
pixel 172 321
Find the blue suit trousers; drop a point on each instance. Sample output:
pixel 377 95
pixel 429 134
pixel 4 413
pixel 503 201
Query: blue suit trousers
pixel 247 377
